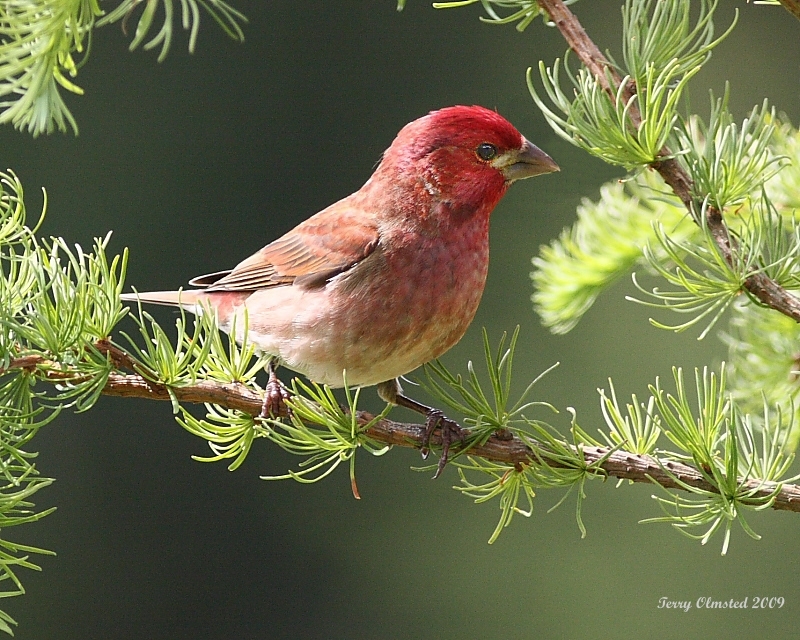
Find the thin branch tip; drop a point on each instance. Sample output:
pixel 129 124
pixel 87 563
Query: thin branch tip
pixel 759 285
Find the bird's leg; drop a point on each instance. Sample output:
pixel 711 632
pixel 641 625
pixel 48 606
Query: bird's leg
pixel 275 395
pixel 391 392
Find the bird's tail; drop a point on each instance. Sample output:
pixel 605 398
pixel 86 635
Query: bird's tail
pixel 186 299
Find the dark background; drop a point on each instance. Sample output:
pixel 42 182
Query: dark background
pixel 199 161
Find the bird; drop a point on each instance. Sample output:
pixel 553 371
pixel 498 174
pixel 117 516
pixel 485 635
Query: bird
pixel 387 278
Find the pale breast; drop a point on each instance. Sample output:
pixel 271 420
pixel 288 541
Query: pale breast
pixel 403 306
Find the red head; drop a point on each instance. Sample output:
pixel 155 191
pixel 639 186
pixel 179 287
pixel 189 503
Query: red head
pixel 462 157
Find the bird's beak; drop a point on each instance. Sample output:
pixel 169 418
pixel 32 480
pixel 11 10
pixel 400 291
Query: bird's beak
pixel 526 162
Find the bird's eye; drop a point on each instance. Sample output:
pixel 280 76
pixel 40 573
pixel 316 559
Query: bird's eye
pixel 486 151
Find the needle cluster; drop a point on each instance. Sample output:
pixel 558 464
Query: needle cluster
pixel 40 41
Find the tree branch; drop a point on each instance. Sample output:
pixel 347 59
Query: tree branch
pixel 619 464
pixel 512 451
pixel 792 6
pixel 759 285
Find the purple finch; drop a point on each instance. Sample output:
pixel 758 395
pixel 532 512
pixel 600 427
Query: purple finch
pixel 387 278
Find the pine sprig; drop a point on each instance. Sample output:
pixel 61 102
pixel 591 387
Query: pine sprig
pixel 716 438
pixel 627 121
pixel 637 430
pixel 322 431
pixel 698 430
pixel 553 462
pixel 763 356
pixel 600 123
pixel 513 486
pixel 485 412
pixel 728 162
pixel 40 41
pixel 704 285
pixel 605 242
pixel 658 34
pixel 721 442
pixel 521 12
pixel 37 48
pixel 23 409
pixel 226 16
pixel 229 433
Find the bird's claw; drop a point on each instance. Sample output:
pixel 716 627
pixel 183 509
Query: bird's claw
pixel 450 432
pixel 275 397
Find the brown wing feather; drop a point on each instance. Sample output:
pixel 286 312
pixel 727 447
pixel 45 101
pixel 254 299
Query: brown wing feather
pixel 328 243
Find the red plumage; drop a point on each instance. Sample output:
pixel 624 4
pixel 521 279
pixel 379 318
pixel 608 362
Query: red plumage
pixel 391 276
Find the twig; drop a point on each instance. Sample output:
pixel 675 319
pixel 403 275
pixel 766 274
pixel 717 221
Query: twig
pixel 509 449
pixel 512 451
pixel 619 464
pixel 792 6
pixel 759 285
pixel 231 396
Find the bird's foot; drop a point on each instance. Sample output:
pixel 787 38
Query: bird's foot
pixel 275 397
pixel 449 431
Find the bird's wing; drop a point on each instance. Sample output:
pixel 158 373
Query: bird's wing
pixel 329 243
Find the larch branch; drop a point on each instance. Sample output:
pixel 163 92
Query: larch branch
pixel 759 285
pixel 792 6
pixel 512 451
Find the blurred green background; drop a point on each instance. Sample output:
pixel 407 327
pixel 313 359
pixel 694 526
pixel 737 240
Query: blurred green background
pixel 199 161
